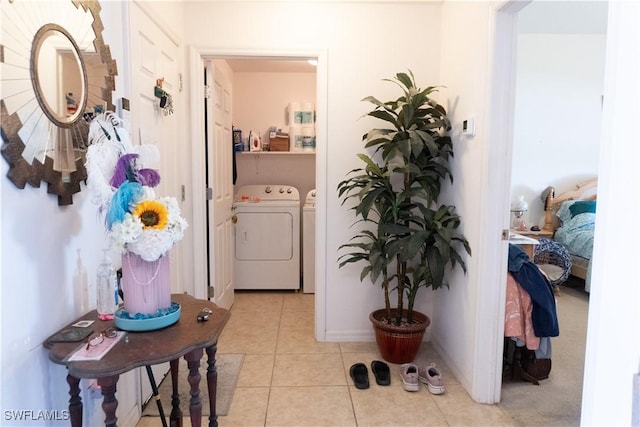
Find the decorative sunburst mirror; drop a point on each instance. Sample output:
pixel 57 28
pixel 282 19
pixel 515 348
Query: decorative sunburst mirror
pixel 55 73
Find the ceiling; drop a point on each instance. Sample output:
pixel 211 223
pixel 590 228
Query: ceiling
pixel 270 65
pixel 564 17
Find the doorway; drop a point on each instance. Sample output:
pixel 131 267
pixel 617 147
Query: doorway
pixel 198 58
pixel 528 178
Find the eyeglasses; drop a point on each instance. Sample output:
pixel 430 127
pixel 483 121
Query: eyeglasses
pixel 98 338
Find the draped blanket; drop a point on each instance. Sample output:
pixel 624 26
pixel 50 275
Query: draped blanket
pixel 529 276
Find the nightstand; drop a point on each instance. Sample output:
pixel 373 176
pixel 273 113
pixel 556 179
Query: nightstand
pixel 534 234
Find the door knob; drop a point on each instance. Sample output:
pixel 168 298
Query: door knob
pixel 234 219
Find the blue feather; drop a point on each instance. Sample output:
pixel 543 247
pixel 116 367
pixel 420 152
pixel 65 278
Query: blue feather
pixel 123 200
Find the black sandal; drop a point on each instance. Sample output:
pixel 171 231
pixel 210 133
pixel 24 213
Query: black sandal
pixel 381 372
pixel 360 375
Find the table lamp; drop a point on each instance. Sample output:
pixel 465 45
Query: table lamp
pixel 518 209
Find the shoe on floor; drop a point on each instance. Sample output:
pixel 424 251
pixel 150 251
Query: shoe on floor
pixel 381 372
pixel 431 377
pixel 409 375
pixel 359 375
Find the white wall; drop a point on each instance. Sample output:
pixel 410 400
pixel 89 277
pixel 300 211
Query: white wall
pixel 558 114
pixel 469 306
pixel 260 99
pixel 49 258
pixel 360 52
pixel 49 255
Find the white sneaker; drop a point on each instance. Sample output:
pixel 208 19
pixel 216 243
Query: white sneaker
pixel 410 378
pixel 430 376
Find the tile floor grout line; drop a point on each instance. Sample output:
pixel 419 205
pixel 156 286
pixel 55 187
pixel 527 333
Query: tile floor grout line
pixel 273 365
pixel 344 370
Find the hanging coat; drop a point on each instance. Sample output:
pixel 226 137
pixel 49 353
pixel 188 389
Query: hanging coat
pixel 544 316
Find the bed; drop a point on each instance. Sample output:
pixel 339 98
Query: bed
pixel 571 215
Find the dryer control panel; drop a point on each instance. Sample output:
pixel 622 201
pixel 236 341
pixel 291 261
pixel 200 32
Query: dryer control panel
pixel 271 192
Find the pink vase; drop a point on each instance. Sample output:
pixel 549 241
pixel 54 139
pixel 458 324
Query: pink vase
pixel 146 285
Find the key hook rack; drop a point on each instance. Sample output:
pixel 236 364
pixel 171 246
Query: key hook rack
pixel 166 102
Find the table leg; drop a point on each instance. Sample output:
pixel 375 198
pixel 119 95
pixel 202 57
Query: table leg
pixel 75 401
pixel 175 419
pixel 195 405
pixel 212 384
pixel 109 401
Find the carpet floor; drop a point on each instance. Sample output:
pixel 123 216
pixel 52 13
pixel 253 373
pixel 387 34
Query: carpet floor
pixel 557 400
pixel 228 366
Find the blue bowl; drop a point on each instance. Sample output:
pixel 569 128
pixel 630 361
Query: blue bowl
pixel 150 324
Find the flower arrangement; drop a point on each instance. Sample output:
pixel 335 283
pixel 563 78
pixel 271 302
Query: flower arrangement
pixel 137 221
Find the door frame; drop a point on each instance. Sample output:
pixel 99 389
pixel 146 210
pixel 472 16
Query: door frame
pixel 503 60
pixel 197 55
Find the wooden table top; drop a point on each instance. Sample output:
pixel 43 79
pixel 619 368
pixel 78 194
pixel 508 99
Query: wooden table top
pixel 145 348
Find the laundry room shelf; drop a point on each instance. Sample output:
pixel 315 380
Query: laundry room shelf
pixel 276 153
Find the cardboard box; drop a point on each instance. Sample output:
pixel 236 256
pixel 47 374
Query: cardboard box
pixel 279 143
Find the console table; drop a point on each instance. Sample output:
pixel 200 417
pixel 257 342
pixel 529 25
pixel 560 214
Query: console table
pixel 186 338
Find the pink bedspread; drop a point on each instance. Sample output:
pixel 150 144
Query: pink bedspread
pixel 517 316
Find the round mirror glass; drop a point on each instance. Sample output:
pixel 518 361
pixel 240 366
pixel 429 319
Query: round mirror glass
pixel 58 75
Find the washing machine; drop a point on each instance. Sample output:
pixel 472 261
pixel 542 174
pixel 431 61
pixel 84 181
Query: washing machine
pixel 267 237
pixel 309 243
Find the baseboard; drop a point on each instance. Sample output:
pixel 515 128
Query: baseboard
pixel 453 368
pixel 360 336
pixel 350 336
pixel 132 418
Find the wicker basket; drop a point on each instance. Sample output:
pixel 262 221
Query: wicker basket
pixel 550 252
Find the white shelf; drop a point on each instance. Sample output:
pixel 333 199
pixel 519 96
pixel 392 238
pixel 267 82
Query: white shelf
pixel 275 153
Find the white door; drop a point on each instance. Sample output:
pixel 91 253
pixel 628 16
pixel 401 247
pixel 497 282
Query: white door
pixel 220 182
pixel 155 56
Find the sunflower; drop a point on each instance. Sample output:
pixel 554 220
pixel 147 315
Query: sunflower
pixel 152 213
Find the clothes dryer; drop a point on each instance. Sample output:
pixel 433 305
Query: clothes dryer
pixel 267 237
pixel 309 243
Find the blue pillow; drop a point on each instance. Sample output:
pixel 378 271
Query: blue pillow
pixel 582 206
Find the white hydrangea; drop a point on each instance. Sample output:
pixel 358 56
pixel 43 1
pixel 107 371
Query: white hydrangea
pixel 127 231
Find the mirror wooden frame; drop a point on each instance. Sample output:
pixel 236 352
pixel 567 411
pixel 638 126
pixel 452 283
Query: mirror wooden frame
pixel 21 171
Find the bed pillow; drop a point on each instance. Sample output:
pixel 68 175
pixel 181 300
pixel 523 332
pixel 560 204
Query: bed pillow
pixel 563 213
pixel 582 206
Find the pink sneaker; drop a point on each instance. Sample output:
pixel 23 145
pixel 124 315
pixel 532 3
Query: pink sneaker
pixel 409 375
pixel 430 376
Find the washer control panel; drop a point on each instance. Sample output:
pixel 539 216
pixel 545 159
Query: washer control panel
pixel 258 193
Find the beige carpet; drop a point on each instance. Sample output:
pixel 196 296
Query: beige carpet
pixel 557 400
pixel 228 366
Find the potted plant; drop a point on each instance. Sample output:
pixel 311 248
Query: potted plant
pixel 407 241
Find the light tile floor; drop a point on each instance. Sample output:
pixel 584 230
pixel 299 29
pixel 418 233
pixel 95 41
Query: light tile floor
pixel 289 379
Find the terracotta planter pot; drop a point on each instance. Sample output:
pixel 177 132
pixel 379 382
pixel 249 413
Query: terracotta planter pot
pixel 399 344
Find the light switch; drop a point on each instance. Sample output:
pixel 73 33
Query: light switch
pixel 469 126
